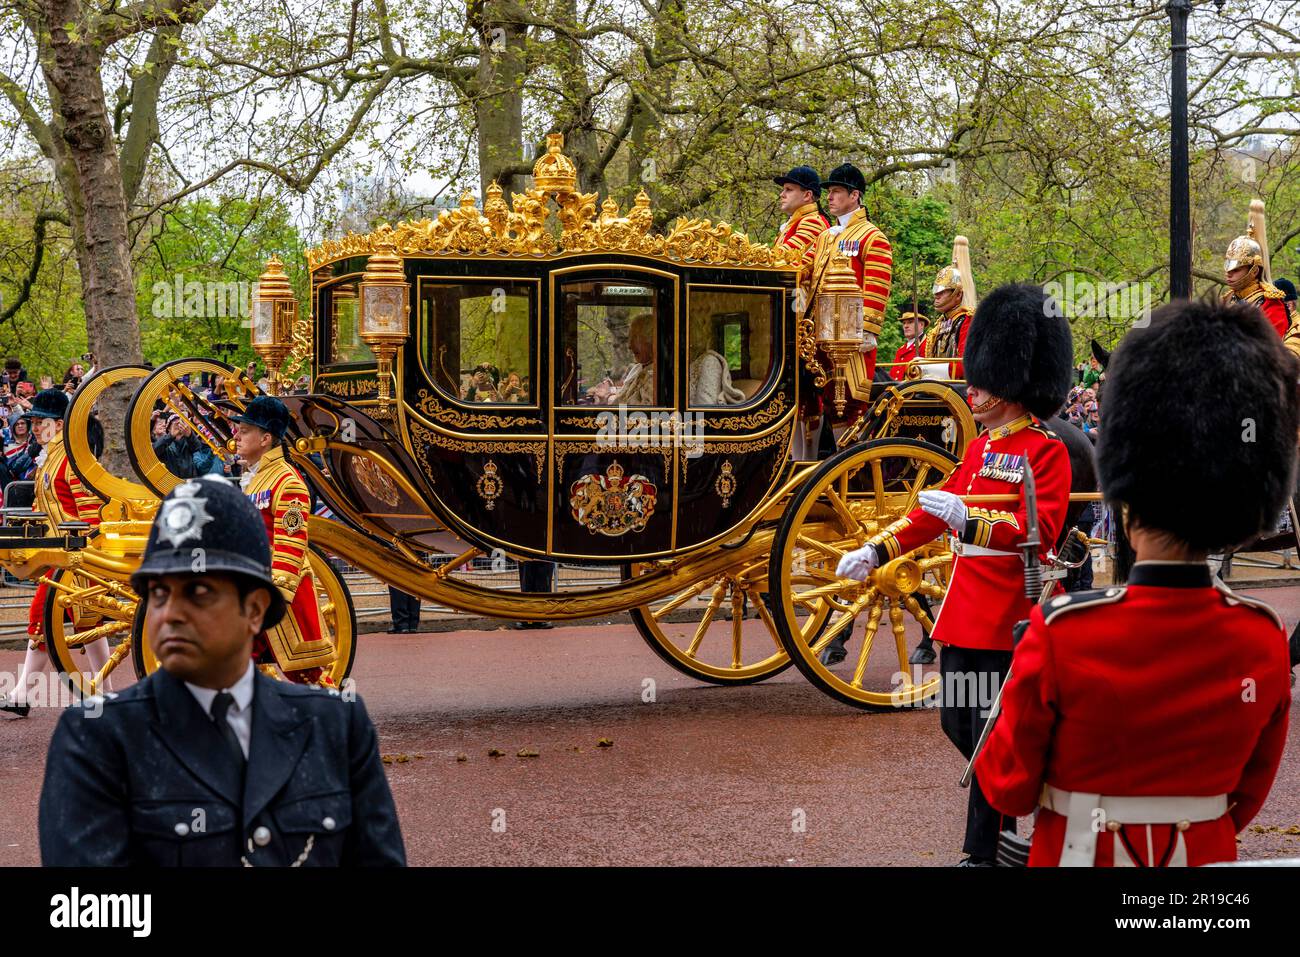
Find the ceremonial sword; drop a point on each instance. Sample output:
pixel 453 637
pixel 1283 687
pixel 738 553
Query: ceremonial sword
pixel 1034 591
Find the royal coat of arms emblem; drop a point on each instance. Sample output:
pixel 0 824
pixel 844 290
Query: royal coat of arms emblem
pixel 610 505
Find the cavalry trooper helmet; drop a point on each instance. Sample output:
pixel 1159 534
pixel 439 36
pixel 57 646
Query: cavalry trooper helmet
pixel 1216 478
pixel 1020 349
pixel 207 525
pixel 949 277
pixel 1243 251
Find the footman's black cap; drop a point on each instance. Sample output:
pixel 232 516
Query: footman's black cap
pixel 266 412
pixel 805 177
pixel 848 176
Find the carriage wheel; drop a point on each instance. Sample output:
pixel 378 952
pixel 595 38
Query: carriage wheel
pixel 336 608
pixel 94 613
pixel 209 421
pixel 850 497
pixel 721 629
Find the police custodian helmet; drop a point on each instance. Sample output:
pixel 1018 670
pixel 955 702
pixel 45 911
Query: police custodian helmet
pixel 208 525
pixel 1020 349
pixel 1213 470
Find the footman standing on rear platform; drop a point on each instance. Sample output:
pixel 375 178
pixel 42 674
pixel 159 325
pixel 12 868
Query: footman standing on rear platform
pixel 1147 721
pixel 1018 365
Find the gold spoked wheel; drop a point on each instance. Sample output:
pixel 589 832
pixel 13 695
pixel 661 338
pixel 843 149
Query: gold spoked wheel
pixel 721 629
pixel 210 422
pixel 850 497
pixel 336 608
pixel 77 430
pixel 81 608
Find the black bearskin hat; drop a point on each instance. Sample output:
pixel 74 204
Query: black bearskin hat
pixel 1020 349
pixel 1212 470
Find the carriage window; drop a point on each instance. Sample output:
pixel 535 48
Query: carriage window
pixel 346 344
pixel 479 345
pixel 612 349
pixel 731 343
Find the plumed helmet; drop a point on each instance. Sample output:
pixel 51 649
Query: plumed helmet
pixel 207 525
pixel 1217 477
pixel 1252 248
pixel 1020 349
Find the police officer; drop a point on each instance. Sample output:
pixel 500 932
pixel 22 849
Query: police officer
pixel 208 761
pixel 300 646
pixel 1018 368
pixel 1147 721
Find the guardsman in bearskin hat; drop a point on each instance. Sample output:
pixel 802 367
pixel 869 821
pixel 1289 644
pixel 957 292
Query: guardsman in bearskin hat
pixel 871 258
pixel 1147 721
pixel 62 497
pixel 954 301
pixel 208 762
pixel 1018 369
pixel 300 646
pixel 913 346
pixel 1245 270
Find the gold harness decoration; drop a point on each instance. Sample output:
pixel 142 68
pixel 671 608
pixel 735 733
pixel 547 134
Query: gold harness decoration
pixel 606 505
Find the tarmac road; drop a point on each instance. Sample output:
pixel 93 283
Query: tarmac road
pixel 773 773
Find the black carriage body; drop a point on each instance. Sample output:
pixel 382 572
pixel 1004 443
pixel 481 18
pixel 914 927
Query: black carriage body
pixel 556 475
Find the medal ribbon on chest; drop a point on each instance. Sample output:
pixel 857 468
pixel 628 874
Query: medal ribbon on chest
pixel 261 499
pixel 1004 467
pixel 850 247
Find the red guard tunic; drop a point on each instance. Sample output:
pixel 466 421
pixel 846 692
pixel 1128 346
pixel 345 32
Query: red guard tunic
pixel 1171 686
pixel 986 594
pixel 906 353
pixel 1271 302
pixel 62 497
pixel 300 646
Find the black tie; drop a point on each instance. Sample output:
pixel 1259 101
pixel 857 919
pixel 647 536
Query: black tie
pixel 220 706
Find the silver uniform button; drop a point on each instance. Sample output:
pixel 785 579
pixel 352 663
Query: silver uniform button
pixel 328 823
pixel 262 836
pixel 181 828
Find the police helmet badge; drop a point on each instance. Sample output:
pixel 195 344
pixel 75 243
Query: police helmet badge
pixel 183 517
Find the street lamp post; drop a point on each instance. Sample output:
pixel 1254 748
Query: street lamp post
pixel 1180 202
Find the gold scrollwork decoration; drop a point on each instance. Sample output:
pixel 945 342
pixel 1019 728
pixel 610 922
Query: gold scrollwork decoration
pixel 430 406
pixel 520 228
pixel 348 388
pixel 769 413
pixel 428 437
pixel 564 448
pixel 779 437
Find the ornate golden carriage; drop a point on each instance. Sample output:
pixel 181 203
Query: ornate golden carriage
pixel 555 380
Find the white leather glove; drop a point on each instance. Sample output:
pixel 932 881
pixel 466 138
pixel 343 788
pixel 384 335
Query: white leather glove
pixel 947 507
pixel 868 341
pixel 858 563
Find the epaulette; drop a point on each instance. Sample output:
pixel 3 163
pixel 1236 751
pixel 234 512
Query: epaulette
pixel 1040 427
pixel 1271 291
pixel 1232 598
pixel 1077 600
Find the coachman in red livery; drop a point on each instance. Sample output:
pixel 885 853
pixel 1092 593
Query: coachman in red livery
pixel 1146 722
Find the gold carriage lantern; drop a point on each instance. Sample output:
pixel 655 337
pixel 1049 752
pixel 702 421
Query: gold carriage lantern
pixel 385 311
pixel 839 320
pixel 274 311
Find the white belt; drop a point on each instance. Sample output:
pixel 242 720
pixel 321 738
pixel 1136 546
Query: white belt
pixel 979 551
pixel 1082 823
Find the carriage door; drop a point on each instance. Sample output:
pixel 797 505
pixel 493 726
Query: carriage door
pixel 613 481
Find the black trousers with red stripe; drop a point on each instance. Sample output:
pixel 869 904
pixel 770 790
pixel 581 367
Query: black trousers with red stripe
pixel 971 677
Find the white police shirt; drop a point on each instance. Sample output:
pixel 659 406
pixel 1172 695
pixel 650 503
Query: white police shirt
pixel 240 715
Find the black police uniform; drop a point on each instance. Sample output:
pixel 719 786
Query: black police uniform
pixel 154 780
